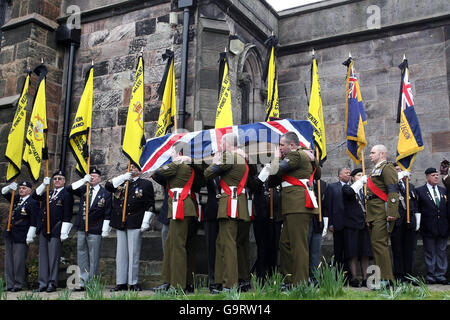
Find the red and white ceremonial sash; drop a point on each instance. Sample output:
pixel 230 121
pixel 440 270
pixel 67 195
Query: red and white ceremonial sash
pixel 377 191
pixel 311 201
pixel 233 193
pixel 178 195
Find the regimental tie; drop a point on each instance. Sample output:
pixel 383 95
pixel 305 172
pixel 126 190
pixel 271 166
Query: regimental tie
pixel 436 197
pixel 91 191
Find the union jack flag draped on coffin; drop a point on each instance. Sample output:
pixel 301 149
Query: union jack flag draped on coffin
pixel 157 151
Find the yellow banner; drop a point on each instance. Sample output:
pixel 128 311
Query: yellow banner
pixel 168 111
pixel 134 130
pixel 35 139
pixel 272 89
pixel 14 148
pixel 78 137
pixel 315 113
pixel 224 113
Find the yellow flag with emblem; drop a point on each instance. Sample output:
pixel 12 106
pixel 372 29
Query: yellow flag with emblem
pixel 78 137
pixel 134 138
pixel 166 91
pixel 315 113
pixel 270 75
pixel 35 147
pixel 224 113
pixel 14 148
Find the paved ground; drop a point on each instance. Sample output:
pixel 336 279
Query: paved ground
pixel 107 294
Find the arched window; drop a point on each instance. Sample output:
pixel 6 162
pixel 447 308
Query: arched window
pixel 249 84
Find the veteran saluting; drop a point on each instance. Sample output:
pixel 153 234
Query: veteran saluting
pixel 382 209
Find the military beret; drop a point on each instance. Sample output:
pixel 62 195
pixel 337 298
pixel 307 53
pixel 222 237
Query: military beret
pixel 25 184
pixel 355 172
pixel 95 170
pixel 430 171
pixel 59 173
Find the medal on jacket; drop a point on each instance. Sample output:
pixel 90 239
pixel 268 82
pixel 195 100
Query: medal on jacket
pixel 23 212
pixel 101 203
pixel 138 192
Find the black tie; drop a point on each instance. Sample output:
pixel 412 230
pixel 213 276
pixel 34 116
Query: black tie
pixel 90 195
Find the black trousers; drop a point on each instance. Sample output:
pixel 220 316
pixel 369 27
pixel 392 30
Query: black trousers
pixel 267 236
pixel 403 243
pixel 339 251
pixel 211 231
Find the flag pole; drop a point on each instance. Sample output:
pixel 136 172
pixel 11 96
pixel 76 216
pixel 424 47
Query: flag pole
pixel 11 208
pixel 87 202
pixel 408 218
pixel 47 192
pixel 319 196
pixel 364 173
pixel 124 209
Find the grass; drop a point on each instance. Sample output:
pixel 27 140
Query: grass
pixel 3 291
pixel 95 289
pixel 29 296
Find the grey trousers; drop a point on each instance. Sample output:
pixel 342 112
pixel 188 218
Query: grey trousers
pixel 435 258
pixel 127 256
pixel 315 242
pixel 49 255
pixel 88 255
pixel 15 257
pixel 164 233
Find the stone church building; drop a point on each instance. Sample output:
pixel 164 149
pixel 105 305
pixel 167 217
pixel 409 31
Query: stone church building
pixel 112 33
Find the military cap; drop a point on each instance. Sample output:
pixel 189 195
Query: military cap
pixel 59 173
pixel 355 172
pixel 430 171
pixel 95 170
pixel 25 184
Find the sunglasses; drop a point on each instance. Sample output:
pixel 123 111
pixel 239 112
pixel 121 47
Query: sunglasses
pixel 58 178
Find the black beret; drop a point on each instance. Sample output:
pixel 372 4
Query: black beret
pixel 25 184
pixel 430 171
pixel 355 172
pixel 95 170
pixel 59 173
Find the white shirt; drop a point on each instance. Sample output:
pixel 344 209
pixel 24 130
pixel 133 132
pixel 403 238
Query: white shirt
pixel 22 200
pixel 430 189
pixel 56 193
pixel 94 193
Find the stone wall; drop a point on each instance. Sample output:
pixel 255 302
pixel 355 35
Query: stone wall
pixel 334 29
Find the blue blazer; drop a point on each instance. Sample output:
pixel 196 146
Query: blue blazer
pixel 99 210
pixel 335 206
pixel 434 219
pixel 61 210
pixel 22 218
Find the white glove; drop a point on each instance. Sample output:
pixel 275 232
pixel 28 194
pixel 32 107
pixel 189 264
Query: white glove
pixel 404 173
pixel 105 228
pixel 418 215
pixel 40 190
pixel 146 221
pixel 265 172
pixel 357 185
pixel 363 179
pixel 78 184
pixel 31 234
pixel 117 181
pixel 325 227
pixel 65 229
pixel 9 187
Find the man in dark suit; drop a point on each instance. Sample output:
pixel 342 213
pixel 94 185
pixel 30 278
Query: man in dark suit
pixel 432 204
pixel 99 215
pixel 211 225
pixel 335 208
pixel 139 208
pixel 50 240
pixel 404 235
pixel 356 235
pixel 22 231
